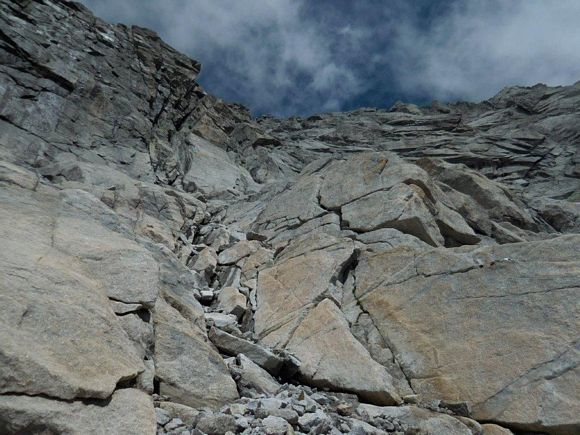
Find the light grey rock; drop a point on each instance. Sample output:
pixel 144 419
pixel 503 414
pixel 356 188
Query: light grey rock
pixel 238 251
pixel 216 424
pixel 60 337
pixel 419 419
pixel 401 207
pixel 242 423
pixel 115 168
pixel 232 345
pixel 188 368
pixel 310 420
pixel 331 357
pixel 163 417
pixel 188 415
pixel 250 376
pixel 515 295
pixel 212 171
pixel 128 411
pixel 206 261
pixel 174 424
pixel 221 320
pixel 232 301
pixel 275 425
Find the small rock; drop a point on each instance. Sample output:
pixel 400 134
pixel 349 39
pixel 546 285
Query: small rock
pixel 222 320
pixel 275 425
pixel 217 424
pixel 206 261
pixel 411 398
pixel 231 301
pixel 230 276
pixel 238 251
pixel 251 376
pixel 162 416
pixel 300 409
pixel 242 423
pixel 188 415
pixel 320 398
pixel 219 239
pixel 237 408
pixel 458 408
pixel 308 404
pixel 345 409
pixel 310 420
pixel 232 345
pixel 206 296
pixel 494 429
pixel 174 424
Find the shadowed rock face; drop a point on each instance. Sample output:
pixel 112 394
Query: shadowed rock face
pixel 423 260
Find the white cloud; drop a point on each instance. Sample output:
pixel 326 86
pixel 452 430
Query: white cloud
pixel 484 45
pixel 272 57
pixel 268 51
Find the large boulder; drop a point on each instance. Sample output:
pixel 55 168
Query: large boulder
pixel 332 358
pixel 128 411
pixel 495 326
pixel 306 279
pixel 59 337
pixel 189 369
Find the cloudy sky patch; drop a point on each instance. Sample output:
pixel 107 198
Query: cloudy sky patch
pixel 290 57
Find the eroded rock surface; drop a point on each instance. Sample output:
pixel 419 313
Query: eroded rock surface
pixel 166 258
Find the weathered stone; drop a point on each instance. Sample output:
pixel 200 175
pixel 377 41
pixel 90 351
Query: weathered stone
pixel 216 424
pixel 275 425
pixel 232 345
pixel 220 320
pixel 238 251
pixel 419 419
pixel 402 207
pixel 490 300
pixel 128 411
pixel 60 337
pixel 189 370
pixel 250 376
pixel 310 420
pixel 162 416
pixel 206 261
pixel 231 301
pixel 306 278
pixel 287 413
pixel 13 174
pixel 494 429
pixel 188 415
pixel 331 357
pixel 174 424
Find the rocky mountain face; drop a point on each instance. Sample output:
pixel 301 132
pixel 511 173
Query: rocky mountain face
pixel 171 265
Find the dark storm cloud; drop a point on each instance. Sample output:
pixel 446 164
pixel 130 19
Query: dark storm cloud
pixel 298 57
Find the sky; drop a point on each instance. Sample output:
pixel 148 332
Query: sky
pixel 298 57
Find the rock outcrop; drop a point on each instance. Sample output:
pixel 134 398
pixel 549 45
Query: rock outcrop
pixel 170 264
